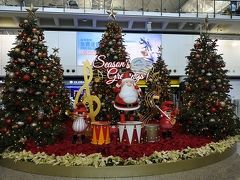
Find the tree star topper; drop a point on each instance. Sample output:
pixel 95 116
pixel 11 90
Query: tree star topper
pixel 55 50
pixel 206 25
pixel 112 14
pixel 31 11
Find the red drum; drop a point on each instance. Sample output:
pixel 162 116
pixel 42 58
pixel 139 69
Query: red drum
pixel 100 132
pixel 130 132
pixel 152 132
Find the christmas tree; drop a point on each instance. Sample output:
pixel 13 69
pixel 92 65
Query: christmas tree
pixel 33 109
pixel 206 107
pixel 111 62
pixel 158 88
pixel 58 96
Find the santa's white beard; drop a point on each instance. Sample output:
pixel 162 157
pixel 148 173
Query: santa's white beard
pixel 128 94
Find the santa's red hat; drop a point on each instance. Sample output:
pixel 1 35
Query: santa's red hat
pixel 81 108
pixel 167 104
pixel 127 77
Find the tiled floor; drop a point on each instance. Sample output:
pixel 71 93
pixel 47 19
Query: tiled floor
pixel 228 169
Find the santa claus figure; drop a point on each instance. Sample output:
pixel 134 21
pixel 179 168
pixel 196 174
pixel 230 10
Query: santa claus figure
pixel 128 93
pixel 80 124
pixel 168 118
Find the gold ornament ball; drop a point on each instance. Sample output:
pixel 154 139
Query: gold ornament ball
pixel 197 56
pixel 34 30
pixel 23 53
pixel 40 54
pixel 222 103
pixel 11 74
pixel 207 82
pixel 32 63
pixel 17 50
pixel 29 40
pixel 34 41
pixel 97 79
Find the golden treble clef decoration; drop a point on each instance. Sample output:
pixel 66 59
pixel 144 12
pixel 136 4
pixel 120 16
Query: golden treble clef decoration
pixel 87 97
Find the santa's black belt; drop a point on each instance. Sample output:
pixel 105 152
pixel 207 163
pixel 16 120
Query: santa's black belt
pixel 126 105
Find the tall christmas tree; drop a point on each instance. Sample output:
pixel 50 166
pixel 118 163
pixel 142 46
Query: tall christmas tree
pixel 111 62
pixel 30 100
pixel 158 85
pixel 206 106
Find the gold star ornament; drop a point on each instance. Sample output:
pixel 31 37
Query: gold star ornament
pixel 206 24
pixel 112 14
pixel 31 11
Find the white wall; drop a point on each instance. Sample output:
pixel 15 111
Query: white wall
pixel 66 42
pixel 175 50
pixel 230 53
pixel 6 43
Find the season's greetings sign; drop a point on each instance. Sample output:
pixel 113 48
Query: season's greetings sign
pixel 112 69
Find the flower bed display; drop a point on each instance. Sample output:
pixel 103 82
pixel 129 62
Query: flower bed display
pixel 180 153
pixel 98 160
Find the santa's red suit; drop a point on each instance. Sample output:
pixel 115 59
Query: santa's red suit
pixel 168 119
pixel 128 92
pixel 165 122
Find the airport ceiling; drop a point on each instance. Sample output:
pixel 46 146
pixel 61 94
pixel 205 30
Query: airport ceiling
pixel 158 16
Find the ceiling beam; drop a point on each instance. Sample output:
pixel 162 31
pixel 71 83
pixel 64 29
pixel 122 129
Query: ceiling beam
pixel 164 25
pixel 56 21
pixel 181 25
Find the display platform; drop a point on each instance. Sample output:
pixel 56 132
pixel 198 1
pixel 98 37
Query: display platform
pixel 118 171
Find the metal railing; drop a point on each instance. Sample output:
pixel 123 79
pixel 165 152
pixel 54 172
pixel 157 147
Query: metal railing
pixel 181 8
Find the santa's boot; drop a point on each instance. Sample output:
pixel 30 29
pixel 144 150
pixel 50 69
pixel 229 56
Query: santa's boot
pixel 164 134
pixel 169 135
pixel 74 139
pixel 83 139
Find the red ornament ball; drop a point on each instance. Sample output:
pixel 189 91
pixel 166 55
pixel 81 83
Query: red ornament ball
pixel 8 121
pixel 29 119
pixel 17 73
pixel 213 110
pixel 56 109
pixel 30 91
pixel 52 94
pixel 44 54
pixel 29 50
pixel 41 67
pixel 3 130
pixel 46 124
pixel 26 77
